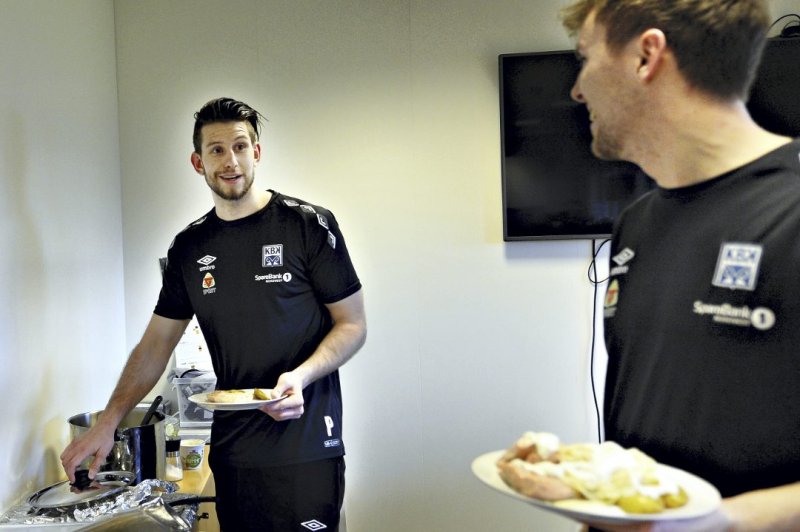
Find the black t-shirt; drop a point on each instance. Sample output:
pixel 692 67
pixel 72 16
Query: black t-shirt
pixel 258 286
pixel 702 321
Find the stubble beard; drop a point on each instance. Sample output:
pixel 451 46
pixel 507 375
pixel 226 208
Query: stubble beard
pixel 606 146
pixel 229 193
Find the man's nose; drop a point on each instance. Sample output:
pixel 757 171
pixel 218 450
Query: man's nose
pixel 230 160
pixel 576 93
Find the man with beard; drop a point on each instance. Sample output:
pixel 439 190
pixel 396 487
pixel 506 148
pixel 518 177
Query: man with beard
pixel 280 305
pixel 702 315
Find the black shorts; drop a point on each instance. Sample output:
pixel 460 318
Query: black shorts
pixel 298 497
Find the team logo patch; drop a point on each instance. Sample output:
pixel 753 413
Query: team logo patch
pixel 272 255
pixel 737 266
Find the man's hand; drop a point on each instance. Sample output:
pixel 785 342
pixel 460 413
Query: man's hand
pixel 94 444
pixel 292 407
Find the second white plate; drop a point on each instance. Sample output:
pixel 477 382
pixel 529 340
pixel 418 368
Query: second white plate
pixel 703 497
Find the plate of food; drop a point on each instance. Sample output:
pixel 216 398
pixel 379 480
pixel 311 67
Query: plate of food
pixel 597 483
pixel 247 399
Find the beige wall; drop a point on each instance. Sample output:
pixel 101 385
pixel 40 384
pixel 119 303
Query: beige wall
pixel 387 113
pixel 61 301
pixel 384 111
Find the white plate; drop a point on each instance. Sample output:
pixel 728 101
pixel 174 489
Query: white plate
pixel 703 497
pixel 201 399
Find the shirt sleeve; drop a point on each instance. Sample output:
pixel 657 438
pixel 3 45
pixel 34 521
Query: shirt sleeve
pixel 173 300
pixel 331 270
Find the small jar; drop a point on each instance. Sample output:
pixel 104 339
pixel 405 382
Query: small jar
pixel 174 469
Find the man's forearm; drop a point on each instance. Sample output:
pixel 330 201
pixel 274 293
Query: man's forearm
pixel 769 509
pixel 138 377
pixel 338 346
pixel 145 366
pixel 343 340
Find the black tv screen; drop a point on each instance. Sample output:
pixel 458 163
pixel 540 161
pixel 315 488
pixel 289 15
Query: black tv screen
pixel 553 187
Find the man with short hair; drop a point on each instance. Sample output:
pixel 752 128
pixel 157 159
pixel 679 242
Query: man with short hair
pixel 703 330
pixel 280 305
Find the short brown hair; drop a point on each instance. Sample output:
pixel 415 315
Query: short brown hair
pixel 225 110
pixel 717 43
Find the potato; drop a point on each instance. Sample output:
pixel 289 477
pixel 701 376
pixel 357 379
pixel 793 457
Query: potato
pixel 640 504
pixel 262 394
pixel 675 500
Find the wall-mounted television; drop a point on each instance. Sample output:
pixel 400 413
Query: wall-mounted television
pixel 553 187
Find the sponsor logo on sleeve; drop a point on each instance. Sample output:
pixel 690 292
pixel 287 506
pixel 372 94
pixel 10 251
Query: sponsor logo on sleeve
pixel 737 266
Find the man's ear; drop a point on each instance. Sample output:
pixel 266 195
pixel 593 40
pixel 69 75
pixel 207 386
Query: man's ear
pixel 652 52
pixel 197 163
pixel 257 152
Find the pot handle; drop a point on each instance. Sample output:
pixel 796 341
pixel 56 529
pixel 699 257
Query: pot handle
pixel 82 480
pixel 151 410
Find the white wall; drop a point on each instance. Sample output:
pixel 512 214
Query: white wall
pixel 61 301
pixel 384 111
pixel 387 113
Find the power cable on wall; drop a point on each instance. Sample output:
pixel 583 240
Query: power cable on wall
pixel 790 29
pixel 592 274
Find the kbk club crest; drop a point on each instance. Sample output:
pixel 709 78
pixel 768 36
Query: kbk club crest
pixel 272 255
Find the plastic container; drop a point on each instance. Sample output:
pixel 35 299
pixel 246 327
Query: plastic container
pixel 190 414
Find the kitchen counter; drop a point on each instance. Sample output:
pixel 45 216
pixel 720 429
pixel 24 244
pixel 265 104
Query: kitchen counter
pixel 201 482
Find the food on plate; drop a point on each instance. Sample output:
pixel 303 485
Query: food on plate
pixel 538 465
pixel 262 394
pixel 230 396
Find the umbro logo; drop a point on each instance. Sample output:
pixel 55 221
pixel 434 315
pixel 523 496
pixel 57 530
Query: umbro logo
pixel 208 259
pixel 313 525
pixel 623 256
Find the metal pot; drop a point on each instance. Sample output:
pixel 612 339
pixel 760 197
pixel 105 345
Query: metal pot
pixel 138 448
